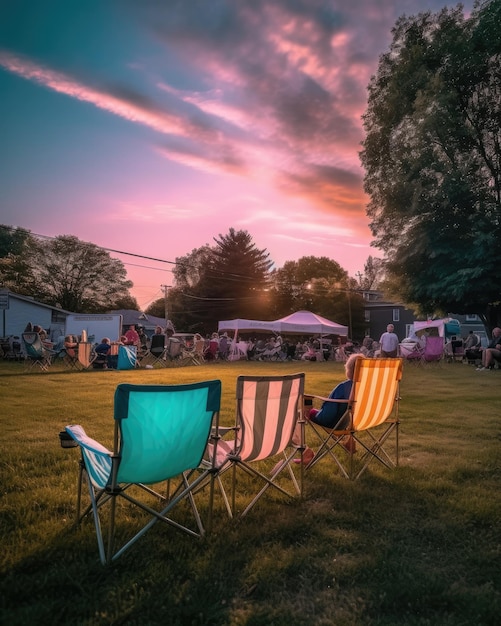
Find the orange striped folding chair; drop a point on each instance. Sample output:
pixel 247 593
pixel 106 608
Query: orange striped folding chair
pixel 268 415
pixel 372 417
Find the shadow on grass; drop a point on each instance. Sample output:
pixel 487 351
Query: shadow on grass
pixel 394 548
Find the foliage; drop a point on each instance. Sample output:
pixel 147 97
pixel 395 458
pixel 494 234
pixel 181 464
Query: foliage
pixel 77 276
pixel 416 546
pixel 126 302
pixel 65 272
pixel 321 285
pixel 373 275
pixel 224 281
pixel 432 156
pixel 12 240
pixel 293 284
pixel 15 270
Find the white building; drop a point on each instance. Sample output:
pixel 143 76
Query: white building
pixel 16 311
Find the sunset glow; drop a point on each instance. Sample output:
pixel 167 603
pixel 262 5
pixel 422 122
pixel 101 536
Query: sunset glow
pixel 153 127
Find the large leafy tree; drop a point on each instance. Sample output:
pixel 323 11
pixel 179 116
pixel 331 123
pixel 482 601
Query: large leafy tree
pixel 432 155
pixel 302 284
pixel 77 276
pixel 321 285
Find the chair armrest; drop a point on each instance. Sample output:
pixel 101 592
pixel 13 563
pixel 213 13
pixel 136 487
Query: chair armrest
pixel 98 460
pixel 80 436
pixel 342 400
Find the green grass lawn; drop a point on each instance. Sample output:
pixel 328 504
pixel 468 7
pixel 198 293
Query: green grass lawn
pixel 419 545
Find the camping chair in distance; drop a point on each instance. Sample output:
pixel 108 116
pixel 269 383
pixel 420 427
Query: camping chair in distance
pixel 157 351
pixel 371 417
pixel 433 350
pixel 268 415
pixel 161 433
pixel 36 354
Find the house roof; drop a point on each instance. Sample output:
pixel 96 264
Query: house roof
pixel 32 300
pixel 129 316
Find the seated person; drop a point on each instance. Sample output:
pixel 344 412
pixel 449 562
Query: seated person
pixel 46 342
pixel 71 346
pixel 471 341
pixel 492 353
pixel 102 351
pixel 331 414
pixel 310 353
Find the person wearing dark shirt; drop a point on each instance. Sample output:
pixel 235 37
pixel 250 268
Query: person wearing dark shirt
pixel 333 414
pixel 102 351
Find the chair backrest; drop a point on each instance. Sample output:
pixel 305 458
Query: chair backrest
pixel 268 408
pixel 199 347
pixel 162 430
pixel 157 345
pixel 175 347
pixel 433 349
pixel 33 345
pixel 126 357
pixel 374 391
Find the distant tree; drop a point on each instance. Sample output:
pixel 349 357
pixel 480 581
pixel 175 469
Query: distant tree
pixel 156 308
pixel 302 284
pixel 12 240
pixel 126 302
pixel 15 270
pixel 432 156
pixel 224 281
pixel 190 268
pixel 321 285
pixel 77 276
pixel 187 298
pixel 235 281
pixel 373 275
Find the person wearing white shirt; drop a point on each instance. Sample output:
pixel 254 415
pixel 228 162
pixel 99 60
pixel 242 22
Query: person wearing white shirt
pixel 389 342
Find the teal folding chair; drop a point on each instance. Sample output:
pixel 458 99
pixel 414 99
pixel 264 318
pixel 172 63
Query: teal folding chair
pixel 161 434
pixel 36 354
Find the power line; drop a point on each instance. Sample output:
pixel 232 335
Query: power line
pixel 227 275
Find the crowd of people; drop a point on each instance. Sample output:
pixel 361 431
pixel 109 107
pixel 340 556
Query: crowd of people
pixel 220 346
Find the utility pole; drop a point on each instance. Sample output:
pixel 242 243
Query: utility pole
pixel 166 290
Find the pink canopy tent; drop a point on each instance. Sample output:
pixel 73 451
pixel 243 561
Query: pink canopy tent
pixel 308 323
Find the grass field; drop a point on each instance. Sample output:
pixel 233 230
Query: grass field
pixel 418 545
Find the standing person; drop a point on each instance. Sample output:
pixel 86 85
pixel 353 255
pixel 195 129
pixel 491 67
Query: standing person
pixel 131 336
pixel 224 347
pixel 389 342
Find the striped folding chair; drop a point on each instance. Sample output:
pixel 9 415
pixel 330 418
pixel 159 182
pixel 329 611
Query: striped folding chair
pixel 371 417
pixel 268 418
pixel 161 434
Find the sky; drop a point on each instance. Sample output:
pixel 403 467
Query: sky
pixel 154 126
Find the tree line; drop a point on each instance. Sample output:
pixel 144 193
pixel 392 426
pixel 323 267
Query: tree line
pixel 232 278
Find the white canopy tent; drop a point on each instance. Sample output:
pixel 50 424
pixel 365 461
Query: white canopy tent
pixel 248 325
pixel 308 323
pixel 299 323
